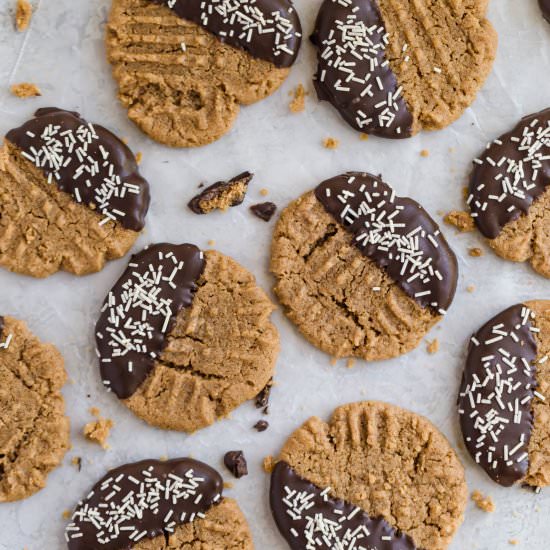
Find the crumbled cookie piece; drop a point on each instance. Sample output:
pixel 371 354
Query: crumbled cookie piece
pixel 483 502
pixel 98 430
pixel 228 485
pixel 471 288
pixel 513 542
pixel 461 220
pixel 475 252
pixel 261 425
pixel 211 242
pixel 364 137
pixel 25 90
pixel 23 14
pixel 264 210
pixel 433 346
pixel 235 462
pixel 139 157
pixel 350 363
pixel 77 461
pixel 269 464
pixel 298 104
pixel 221 195
pixel 331 143
pixel 424 153
pixel 66 514
pixel 264 192
pixel 333 361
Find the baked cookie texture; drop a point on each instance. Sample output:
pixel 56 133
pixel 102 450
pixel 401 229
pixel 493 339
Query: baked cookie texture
pixel 181 85
pixel 34 432
pixel 342 300
pixel 46 222
pixel 219 351
pixel 425 64
pixel 506 371
pixel 509 195
pixel 389 462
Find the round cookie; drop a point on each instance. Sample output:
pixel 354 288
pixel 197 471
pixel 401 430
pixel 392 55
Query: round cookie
pixel 504 400
pixel 361 271
pixel 34 432
pixel 184 67
pixel 509 199
pixel 395 68
pixel 185 337
pixel 374 471
pixel 71 196
pixel 155 505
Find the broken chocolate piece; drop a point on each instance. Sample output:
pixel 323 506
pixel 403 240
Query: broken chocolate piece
pixel 235 462
pixel 261 425
pixel 221 195
pixel 264 210
pixel 262 399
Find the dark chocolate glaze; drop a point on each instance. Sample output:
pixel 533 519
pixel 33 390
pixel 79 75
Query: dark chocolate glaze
pixel 143 500
pixel 91 164
pixel 397 233
pixel 500 373
pixel 287 493
pixel 130 339
pixel 545 7
pixel 266 29
pixel 511 174
pixel 217 189
pixel 353 73
pixel 264 210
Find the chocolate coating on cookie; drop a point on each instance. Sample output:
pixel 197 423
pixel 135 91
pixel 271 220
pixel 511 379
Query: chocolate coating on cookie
pixel 266 29
pixel 86 161
pixel 545 7
pixel 353 71
pixel 140 311
pixel 304 513
pixel 231 192
pixel 143 500
pixel 495 397
pixel 397 233
pixel 511 174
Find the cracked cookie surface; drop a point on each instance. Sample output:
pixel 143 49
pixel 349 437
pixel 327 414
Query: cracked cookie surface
pixel 181 85
pixel 389 462
pixel 34 431
pixel 340 300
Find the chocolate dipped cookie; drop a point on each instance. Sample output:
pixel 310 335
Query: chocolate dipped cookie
pixel 184 67
pixel 505 393
pixel 375 474
pixel 509 199
pixel 394 68
pixel 154 505
pixel 71 196
pixel 360 271
pixel 184 337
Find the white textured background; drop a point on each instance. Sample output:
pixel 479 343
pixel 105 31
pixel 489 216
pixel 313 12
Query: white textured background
pixel 63 53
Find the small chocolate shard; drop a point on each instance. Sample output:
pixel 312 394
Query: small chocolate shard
pixel 221 195
pixel 261 425
pixel 264 210
pixel 235 462
pixel 262 399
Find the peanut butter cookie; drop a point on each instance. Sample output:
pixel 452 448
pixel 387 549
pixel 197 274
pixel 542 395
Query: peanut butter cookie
pixel 154 505
pixel 71 196
pixel 184 67
pixel 360 271
pixel 34 432
pixel 185 337
pixel 509 195
pixel 392 68
pixel 376 474
pixel 504 400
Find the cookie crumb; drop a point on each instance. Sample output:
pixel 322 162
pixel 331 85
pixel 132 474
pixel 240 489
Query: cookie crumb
pixel 331 143
pixel 94 411
pixel 433 346
pixel 269 464
pixel 364 137
pixel 470 288
pixel 264 210
pixel 261 425
pixel 475 252
pixel 350 363
pixel 211 242
pixel 66 514
pixel 264 192
pixel 23 14
pixel 221 195
pixel 163 458
pixel 513 542
pixel 262 399
pixel 298 104
pixel 424 153
pixel 228 485
pixel 98 431
pixel 235 462
pixel 139 157
pixel 333 361
pixel 461 220
pixel 24 90
pixel 484 503
pixel 77 461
